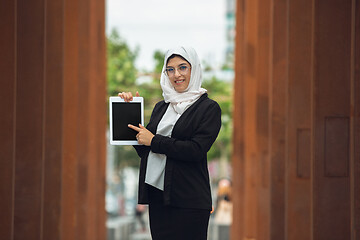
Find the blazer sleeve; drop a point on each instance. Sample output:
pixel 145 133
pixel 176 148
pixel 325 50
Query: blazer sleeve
pixel 141 150
pixel 195 148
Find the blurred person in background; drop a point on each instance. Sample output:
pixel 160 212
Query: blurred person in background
pixel 223 209
pixel 139 214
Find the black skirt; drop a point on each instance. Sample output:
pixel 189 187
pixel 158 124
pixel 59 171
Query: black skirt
pixel 173 223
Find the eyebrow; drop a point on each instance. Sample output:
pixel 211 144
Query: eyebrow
pixel 181 64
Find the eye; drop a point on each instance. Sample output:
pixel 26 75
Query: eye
pixel 170 70
pixel 183 68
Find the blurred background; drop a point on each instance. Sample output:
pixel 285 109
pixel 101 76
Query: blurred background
pixel 137 35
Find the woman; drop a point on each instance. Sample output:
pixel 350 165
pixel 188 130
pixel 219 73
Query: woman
pixel 174 178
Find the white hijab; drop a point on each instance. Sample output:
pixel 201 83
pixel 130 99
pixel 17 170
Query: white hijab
pixel 181 101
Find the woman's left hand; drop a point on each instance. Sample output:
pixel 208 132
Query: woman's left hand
pixel 144 136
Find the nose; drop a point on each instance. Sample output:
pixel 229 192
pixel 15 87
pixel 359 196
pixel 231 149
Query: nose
pixel 177 72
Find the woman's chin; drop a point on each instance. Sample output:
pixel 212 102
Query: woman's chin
pixel 180 90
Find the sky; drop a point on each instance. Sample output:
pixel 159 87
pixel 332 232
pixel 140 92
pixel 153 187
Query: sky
pixel 162 24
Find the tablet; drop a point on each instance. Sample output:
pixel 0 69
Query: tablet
pixel 121 114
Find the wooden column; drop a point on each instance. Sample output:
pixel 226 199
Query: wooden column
pixel 83 122
pixel 298 162
pixel 262 78
pixel 101 116
pixel 355 122
pixel 29 123
pixel 238 156
pixel 250 103
pixel 278 116
pixel 70 115
pixel 53 120
pixel 91 112
pixel 7 119
pixel 331 119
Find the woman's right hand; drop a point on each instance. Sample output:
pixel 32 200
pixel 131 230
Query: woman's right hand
pixel 127 96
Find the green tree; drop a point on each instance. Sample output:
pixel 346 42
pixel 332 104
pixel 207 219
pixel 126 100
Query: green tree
pixel 159 61
pixel 221 92
pixel 121 70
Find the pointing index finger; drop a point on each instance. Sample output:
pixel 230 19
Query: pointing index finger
pixel 133 127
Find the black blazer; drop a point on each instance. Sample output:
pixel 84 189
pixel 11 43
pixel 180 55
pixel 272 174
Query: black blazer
pixel 187 182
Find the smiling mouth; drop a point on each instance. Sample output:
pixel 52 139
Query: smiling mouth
pixel 179 81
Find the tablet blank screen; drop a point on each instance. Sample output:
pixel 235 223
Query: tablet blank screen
pixel 124 114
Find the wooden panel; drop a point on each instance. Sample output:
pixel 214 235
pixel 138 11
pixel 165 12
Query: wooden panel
pixel 7 119
pixel 337 146
pixel 250 164
pixel 322 197
pixel 29 120
pixel 83 121
pixel 70 116
pixel 262 66
pixel 332 49
pixel 41 125
pixel 53 120
pixel 278 111
pixel 101 123
pixel 356 104
pixel 237 228
pixel 298 190
pixel 303 155
pixel 92 175
pixel 262 118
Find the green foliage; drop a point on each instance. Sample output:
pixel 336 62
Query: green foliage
pixel 121 70
pixel 159 61
pixel 221 92
pixel 206 66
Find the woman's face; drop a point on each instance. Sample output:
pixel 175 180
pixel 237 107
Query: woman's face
pixel 179 72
